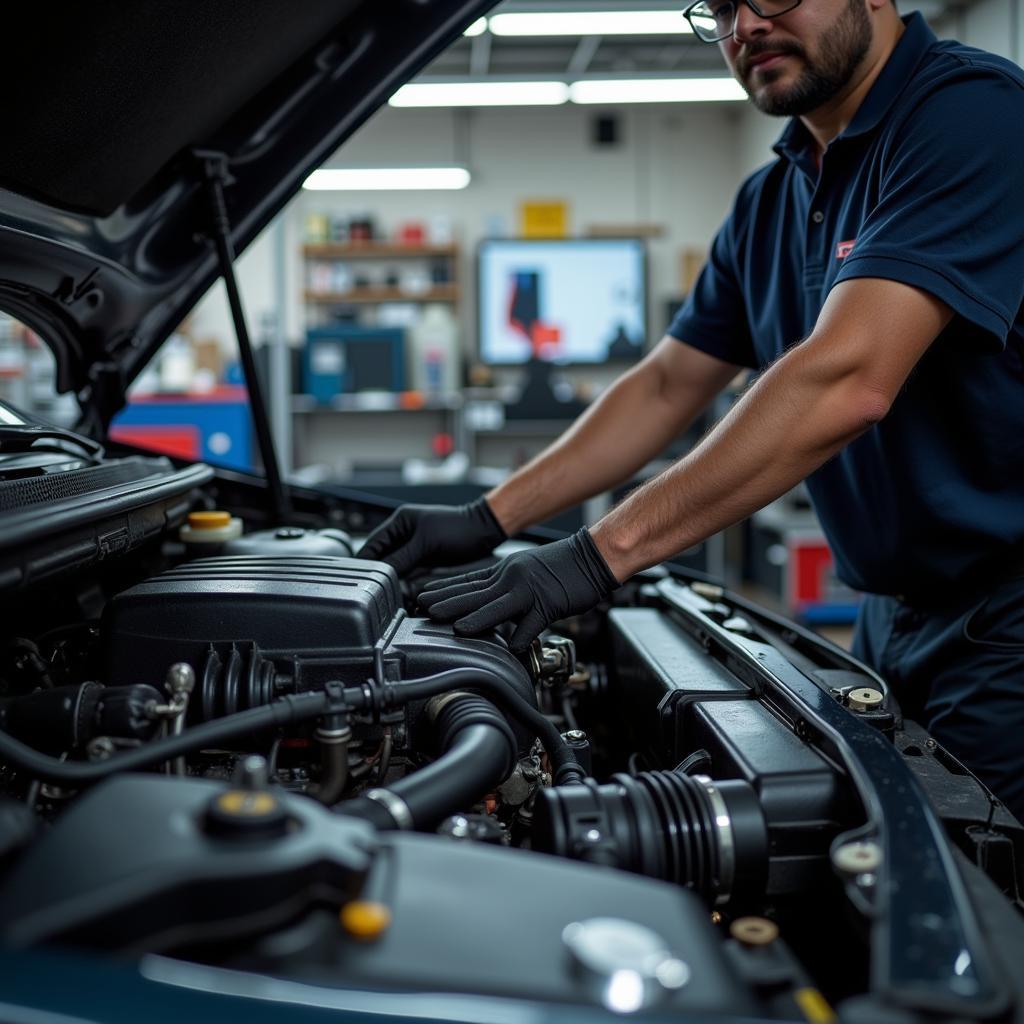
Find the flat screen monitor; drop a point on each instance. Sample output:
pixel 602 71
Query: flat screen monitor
pixel 567 302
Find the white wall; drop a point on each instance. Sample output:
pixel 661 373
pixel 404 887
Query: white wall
pixel 993 25
pixel 676 166
pixel 673 167
pixel 757 135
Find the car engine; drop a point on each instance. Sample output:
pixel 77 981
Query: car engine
pixel 246 750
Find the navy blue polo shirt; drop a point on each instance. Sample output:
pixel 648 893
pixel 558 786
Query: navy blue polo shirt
pixel 926 187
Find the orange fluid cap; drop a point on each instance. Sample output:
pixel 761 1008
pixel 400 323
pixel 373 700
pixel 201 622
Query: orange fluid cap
pixel 365 920
pixel 209 520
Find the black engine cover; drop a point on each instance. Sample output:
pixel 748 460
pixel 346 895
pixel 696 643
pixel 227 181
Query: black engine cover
pixel 254 627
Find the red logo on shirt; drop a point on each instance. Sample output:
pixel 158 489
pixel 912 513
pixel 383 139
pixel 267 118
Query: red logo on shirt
pixel 843 249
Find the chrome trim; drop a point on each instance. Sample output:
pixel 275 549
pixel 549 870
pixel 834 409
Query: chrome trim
pixel 394 805
pixel 726 840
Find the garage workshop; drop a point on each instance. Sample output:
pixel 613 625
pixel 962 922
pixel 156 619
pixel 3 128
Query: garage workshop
pixel 513 510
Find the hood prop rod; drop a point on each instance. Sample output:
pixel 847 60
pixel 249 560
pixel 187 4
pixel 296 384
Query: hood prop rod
pixel 215 177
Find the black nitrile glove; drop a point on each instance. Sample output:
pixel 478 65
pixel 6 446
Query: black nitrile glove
pixel 531 588
pixel 432 535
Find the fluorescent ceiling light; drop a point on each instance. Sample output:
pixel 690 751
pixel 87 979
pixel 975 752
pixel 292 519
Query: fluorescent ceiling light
pixel 481 94
pixel 656 90
pixel 330 179
pixel 479 27
pixel 590 23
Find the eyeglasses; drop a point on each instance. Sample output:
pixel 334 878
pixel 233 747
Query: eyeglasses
pixel 714 20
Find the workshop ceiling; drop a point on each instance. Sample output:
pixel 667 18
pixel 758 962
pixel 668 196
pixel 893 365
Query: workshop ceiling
pixel 489 56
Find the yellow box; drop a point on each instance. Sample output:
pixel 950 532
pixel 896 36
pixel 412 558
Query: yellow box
pixel 544 218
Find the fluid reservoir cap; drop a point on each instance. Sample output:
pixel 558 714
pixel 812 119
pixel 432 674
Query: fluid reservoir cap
pixel 246 814
pixel 210 528
pixel 365 920
pixel 209 520
pixel 864 698
pixel 626 965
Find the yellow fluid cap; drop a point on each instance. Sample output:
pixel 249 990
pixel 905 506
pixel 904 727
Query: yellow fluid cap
pixel 246 804
pixel 209 520
pixel 365 920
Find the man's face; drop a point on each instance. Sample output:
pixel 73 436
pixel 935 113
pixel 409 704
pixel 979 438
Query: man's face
pixel 793 64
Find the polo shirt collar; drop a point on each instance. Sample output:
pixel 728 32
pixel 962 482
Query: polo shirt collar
pixel 899 68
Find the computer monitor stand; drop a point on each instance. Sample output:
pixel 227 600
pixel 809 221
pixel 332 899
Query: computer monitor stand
pixel 537 399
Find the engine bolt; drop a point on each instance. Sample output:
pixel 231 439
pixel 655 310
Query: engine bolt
pixel 860 858
pixel 251 773
pixel 180 678
pixel 754 931
pixel 100 748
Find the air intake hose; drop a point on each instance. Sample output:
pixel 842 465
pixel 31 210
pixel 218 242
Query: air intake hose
pixel 479 752
pixel 707 835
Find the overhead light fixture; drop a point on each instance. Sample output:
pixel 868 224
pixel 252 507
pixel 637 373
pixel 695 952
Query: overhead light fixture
pixel 481 94
pixel 656 90
pixel 332 179
pixel 478 28
pixel 590 23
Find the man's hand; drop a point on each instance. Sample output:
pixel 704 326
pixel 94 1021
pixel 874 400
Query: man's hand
pixel 531 588
pixel 433 535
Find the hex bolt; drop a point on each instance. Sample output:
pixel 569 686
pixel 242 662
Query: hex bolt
pixel 180 678
pixel 100 748
pixel 251 773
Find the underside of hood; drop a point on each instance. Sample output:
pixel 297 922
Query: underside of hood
pixel 105 231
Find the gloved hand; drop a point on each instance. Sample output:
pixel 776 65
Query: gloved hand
pixel 532 588
pixel 432 535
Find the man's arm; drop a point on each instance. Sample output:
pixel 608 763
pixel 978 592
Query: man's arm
pixel 630 424
pixel 811 403
pixel 814 400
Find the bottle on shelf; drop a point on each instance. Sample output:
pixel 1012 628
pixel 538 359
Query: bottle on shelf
pixel 434 350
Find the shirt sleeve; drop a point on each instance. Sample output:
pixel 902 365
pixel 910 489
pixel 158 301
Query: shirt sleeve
pixel 713 318
pixel 950 212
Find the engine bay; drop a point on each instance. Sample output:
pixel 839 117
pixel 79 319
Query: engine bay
pixel 254 754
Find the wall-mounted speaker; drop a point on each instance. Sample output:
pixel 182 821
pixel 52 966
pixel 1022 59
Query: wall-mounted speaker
pixel 606 130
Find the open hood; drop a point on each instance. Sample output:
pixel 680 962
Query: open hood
pixel 105 228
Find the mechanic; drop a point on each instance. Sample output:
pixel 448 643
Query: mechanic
pixel 873 275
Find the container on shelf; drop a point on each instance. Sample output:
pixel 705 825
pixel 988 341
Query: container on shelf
pixel 434 350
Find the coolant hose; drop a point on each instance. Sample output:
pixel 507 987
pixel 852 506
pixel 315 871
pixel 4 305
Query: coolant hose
pixel 479 753
pixel 565 767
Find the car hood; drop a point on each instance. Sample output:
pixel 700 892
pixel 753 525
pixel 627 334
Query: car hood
pixel 104 224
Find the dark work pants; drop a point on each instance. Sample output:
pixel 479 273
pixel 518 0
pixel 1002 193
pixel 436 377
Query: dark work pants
pixel 959 671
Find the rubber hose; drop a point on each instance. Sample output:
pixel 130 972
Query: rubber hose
pixel 282 712
pixel 565 767
pixel 480 753
pixel 335 773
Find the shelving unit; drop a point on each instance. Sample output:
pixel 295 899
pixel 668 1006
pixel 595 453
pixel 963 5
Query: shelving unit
pixel 439 293
pixel 379 401
pixel 375 250
pixel 424 290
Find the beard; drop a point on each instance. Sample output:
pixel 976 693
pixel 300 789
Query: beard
pixel 841 49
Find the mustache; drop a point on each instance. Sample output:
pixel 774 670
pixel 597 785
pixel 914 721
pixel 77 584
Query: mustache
pixel 755 50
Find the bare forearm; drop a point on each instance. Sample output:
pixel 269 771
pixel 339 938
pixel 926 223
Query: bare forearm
pixel 630 424
pixel 789 423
